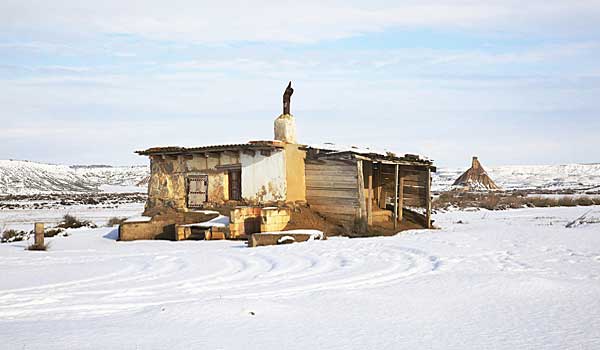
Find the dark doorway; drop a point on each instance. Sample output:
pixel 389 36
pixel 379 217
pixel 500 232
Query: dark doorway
pixel 235 184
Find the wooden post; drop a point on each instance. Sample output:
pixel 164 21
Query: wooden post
pixel 360 183
pixel 396 198
pixel 428 194
pixel 401 196
pixel 370 200
pixel 39 234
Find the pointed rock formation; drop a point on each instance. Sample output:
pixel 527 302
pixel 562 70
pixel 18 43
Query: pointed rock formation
pixel 475 179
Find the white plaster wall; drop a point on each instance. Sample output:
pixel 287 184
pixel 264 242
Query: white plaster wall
pixel 263 177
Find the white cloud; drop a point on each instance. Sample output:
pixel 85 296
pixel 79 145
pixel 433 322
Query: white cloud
pixel 291 21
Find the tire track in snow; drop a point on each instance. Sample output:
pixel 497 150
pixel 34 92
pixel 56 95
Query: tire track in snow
pixel 270 272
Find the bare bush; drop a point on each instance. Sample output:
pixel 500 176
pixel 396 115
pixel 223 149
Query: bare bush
pixel 38 247
pixel 13 236
pixel 503 200
pixel 70 221
pixel 115 221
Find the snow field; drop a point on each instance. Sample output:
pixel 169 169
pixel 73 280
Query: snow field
pixel 500 280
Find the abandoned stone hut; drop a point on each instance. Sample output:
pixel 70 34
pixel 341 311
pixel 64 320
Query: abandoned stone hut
pixel 256 184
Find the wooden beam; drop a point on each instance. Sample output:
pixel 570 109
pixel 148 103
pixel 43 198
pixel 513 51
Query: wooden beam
pixel 249 152
pixel 232 153
pixel 370 199
pixel 360 183
pixel 428 199
pixel 265 152
pixel 401 197
pixel 396 198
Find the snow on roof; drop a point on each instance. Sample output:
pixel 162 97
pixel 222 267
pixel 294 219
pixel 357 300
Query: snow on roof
pixel 371 152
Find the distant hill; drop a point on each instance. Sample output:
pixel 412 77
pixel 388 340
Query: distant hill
pixel 24 177
pixel 543 177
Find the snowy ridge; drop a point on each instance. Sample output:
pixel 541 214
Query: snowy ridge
pixel 546 177
pixel 24 177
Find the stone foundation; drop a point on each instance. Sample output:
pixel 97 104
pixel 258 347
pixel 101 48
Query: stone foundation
pixel 274 219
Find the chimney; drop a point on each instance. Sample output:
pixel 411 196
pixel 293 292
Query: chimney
pixel 285 128
pixel 285 125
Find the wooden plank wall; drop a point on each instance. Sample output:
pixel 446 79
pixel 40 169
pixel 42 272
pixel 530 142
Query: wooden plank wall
pixel 415 182
pixel 331 188
pixel 415 187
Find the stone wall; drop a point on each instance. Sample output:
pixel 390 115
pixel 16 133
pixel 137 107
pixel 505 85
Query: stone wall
pixel 270 176
pixel 274 219
pixel 244 221
pixel 167 187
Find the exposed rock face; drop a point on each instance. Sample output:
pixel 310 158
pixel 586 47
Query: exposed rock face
pixel 475 179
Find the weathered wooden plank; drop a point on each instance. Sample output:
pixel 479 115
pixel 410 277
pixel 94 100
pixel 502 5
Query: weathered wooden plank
pixel 344 218
pixel 345 210
pixel 428 199
pixel 350 177
pixel 328 174
pixel 414 202
pixel 370 198
pixel 324 184
pixel 341 167
pixel 422 183
pixel 360 181
pixel 333 193
pixel 417 191
pixel 334 175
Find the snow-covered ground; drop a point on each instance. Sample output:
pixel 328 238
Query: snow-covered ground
pixel 23 219
pixel 514 279
pixel 23 177
pixel 546 177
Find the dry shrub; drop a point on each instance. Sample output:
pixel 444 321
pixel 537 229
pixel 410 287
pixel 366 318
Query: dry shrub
pixel 585 201
pixel 8 234
pixel 115 221
pixel 70 221
pixel 51 232
pixel 490 201
pixel 38 247
pixel 503 200
pixel 13 236
pixel 542 202
pixel 567 202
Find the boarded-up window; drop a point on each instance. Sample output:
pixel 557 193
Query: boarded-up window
pixel 197 190
pixel 235 184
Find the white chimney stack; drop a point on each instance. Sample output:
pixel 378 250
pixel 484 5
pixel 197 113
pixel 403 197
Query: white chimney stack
pixel 285 128
pixel 285 125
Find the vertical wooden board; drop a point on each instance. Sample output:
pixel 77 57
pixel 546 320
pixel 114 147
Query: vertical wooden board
pixel 428 198
pixel 360 182
pixel 396 197
pixel 370 199
pixel 401 198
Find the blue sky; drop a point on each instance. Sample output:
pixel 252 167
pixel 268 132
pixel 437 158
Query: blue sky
pixel 510 81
